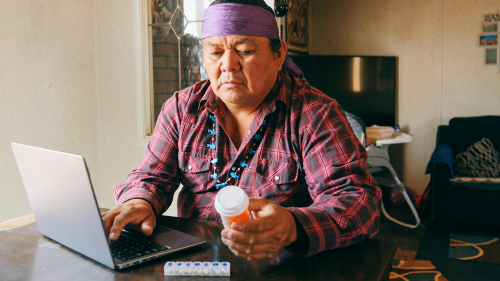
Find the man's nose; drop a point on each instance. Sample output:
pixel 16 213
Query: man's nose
pixel 230 61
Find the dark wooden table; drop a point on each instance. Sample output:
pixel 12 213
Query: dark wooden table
pixel 25 254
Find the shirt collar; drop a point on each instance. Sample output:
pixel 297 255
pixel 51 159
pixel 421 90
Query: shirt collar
pixel 209 99
pixel 281 91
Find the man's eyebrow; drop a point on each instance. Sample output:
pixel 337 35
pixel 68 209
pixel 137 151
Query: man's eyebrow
pixel 239 42
pixel 211 44
pixel 244 40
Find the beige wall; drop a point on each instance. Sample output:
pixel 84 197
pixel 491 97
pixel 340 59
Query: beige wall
pixel 47 87
pixel 71 81
pixel 121 147
pixel 441 68
pixel 120 94
pixel 469 87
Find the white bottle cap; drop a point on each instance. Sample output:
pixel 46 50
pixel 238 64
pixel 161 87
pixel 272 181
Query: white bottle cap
pixel 231 201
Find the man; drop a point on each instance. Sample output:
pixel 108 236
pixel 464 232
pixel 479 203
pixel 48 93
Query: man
pixel 257 125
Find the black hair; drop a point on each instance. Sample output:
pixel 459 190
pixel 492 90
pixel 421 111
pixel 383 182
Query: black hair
pixel 258 3
pixel 274 43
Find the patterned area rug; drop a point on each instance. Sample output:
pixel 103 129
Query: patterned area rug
pixel 475 248
pixel 415 270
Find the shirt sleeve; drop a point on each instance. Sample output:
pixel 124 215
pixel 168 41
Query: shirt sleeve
pixel 156 178
pixel 346 199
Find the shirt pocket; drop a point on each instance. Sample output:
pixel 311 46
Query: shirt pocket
pixel 195 170
pixel 276 181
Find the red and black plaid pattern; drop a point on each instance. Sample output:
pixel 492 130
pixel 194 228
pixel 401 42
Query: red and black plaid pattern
pixel 309 161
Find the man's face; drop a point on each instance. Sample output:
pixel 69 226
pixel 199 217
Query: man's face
pixel 242 69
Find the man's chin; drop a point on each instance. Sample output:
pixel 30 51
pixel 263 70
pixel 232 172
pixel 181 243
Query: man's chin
pixel 232 92
pixel 231 96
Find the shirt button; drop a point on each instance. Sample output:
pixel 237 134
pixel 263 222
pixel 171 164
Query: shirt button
pixel 233 168
pixel 190 167
pixel 248 133
pixel 277 178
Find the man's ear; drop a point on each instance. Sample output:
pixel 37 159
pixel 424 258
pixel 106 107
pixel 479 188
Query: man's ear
pixel 282 53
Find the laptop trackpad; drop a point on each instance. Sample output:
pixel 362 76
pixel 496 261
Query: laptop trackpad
pixel 160 229
pixel 157 230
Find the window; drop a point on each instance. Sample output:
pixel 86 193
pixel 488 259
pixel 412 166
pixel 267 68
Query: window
pixel 174 31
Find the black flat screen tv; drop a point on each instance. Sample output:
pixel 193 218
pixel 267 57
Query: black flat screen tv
pixel 365 86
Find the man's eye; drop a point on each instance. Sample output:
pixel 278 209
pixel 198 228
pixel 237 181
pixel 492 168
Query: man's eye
pixel 216 54
pixel 245 53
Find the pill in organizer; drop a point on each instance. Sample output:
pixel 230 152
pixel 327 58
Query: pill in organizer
pixel 197 268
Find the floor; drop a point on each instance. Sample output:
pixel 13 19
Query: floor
pixel 423 243
pixel 408 239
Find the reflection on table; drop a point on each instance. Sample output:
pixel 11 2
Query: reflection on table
pixel 28 255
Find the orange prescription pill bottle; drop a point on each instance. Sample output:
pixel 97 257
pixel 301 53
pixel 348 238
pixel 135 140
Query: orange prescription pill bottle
pixel 231 203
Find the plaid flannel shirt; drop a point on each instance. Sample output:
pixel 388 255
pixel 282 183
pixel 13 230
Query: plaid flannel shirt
pixel 309 161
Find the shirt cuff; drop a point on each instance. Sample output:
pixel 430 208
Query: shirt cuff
pixel 301 245
pixel 321 231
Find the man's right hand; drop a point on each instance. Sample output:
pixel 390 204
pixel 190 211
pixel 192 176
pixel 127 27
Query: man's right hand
pixel 136 213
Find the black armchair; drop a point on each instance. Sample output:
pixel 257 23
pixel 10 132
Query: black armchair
pixel 465 200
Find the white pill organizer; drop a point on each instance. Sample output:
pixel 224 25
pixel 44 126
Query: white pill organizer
pixel 197 268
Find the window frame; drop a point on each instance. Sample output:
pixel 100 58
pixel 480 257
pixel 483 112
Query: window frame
pixel 144 79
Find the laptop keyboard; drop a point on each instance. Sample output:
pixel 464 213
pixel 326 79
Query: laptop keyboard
pixel 126 248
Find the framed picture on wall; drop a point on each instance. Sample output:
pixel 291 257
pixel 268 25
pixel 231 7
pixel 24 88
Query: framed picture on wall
pixel 491 57
pixel 488 40
pixel 490 26
pixel 297 26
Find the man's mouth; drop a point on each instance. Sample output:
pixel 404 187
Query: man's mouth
pixel 232 83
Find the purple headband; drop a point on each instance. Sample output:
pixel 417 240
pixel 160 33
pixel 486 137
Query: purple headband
pixel 241 19
pixel 238 19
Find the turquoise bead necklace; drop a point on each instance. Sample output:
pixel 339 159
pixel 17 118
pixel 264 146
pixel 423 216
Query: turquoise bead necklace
pixel 243 164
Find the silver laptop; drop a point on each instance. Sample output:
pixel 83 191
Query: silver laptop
pixel 65 208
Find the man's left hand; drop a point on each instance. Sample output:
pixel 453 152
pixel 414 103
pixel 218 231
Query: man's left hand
pixel 272 228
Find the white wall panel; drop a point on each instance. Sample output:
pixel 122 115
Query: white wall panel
pixel 47 88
